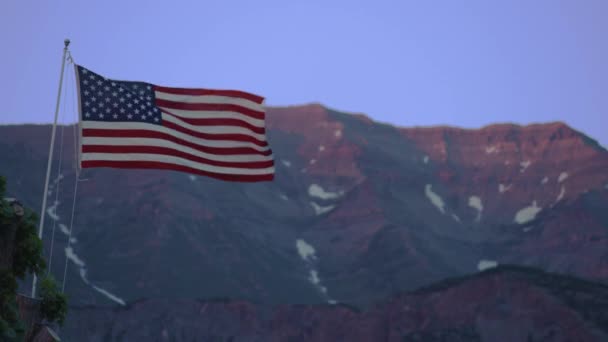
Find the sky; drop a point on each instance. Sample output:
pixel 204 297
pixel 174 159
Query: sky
pixel 410 63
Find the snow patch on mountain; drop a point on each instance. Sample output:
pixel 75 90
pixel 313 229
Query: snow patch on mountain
pixel 109 295
pixel 83 275
pixel 320 210
pixel 287 163
pixel 283 197
pixel 306 251
pixel 527 214
pixel 315 280
pixel 561 194
pixel 491 149
pixel 475 203
pixel 52 184
pixel 314 277
pixel 52 211
pixel 315 190
pixel 562 177
pixel 456 218
pixel 64 229
pixel 69 253
pixel 73 257
pixel 308 254
pixel 426 159
pixel 434 198
pixel 524 165
pixel 503 188
pixel 484 264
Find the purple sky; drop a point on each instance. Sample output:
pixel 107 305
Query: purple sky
pixel 463 63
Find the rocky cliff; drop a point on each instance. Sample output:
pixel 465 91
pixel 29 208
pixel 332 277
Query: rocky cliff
pixel 359 211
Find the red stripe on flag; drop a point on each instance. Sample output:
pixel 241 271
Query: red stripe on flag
pixel 171 152
pixel 140 133
pixel 211 107
pixel 168 166
pixel 216 92
pixel 221 122
pixel 233 137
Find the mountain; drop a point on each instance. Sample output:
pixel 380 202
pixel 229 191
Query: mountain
pixel 359 211
pixel 503 304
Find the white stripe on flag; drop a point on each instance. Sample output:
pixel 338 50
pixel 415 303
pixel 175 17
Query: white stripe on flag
pixel 156 128
pixel 176 161
pixel 214 99
pixel 203 114
pixel 241 158
pixel 214 129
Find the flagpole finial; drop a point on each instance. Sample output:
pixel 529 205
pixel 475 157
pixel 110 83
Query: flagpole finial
pixel 66 42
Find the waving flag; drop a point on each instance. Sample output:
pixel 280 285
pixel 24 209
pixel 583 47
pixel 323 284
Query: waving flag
pixel 214 133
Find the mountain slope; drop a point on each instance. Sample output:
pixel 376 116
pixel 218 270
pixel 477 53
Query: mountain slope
pixel 505 304
pixel 358 211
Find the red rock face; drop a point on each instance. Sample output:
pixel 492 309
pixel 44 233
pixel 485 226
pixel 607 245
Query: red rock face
pixel 511 166
pixel 377 216
pixel 572 237
pixel 508 304
pixel 324 150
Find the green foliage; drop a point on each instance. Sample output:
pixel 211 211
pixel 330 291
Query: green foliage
pixel 2 186
pixel 27 259
pixel 11 328
pixel 5 211
pixel 54 306
pixel 28 248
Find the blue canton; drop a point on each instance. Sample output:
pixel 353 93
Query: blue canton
pixel 102 99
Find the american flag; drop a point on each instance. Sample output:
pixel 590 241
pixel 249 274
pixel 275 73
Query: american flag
pixel 135 125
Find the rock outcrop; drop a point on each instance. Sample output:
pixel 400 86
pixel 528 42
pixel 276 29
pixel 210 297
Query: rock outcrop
pixel 358 211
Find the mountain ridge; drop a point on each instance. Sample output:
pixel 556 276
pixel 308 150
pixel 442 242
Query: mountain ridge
pixel 358 211
pixel 581 303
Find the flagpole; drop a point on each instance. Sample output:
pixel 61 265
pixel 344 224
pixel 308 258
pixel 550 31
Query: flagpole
pixel 50 161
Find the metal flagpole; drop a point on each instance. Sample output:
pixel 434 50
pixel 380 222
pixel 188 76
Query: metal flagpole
pixel 50 161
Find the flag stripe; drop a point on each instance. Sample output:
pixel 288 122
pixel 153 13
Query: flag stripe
pixel 173 167
pixel 192 114
pixel 217 92
pixel 143 157
pixel 212 130
pixel 223 124
pixel 235 137
pixel 143 134
pixel 145 130
pixel 209 99
pixel 211 106
pixel 127 149
pixel 215 154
